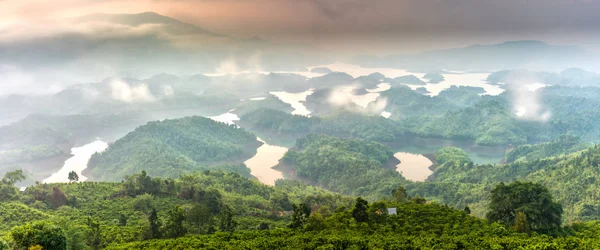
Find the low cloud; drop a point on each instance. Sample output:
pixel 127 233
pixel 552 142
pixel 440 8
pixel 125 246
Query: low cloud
pixel 122 91
pixel 525 97
pixel 346 97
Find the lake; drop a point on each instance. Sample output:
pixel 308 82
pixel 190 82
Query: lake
pixel 414 167
pixel 78 162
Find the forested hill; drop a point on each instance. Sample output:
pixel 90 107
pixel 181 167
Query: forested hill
pixel 571 179
pixel 349 166
pixel 171 147
pixel 342 123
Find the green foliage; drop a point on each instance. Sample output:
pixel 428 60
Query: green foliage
pixel 300 215
pixel 359 212
pixel 10 178
pixel 562 145
pixel 226 221
pixel 73 176
pixel 417 226
pixel 341 123
pixel 400 195
pixel 172 147
pixel 43 234
pixel 94 235
pixel 335 163
pixel 524 205
pixel 174 224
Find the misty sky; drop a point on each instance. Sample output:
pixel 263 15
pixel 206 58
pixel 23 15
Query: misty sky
pixel 386 25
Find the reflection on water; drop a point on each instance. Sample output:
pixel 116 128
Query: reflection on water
pixel 413 167
pixel 466 79
pixel 77 163
pixel 295 100
pixel 267 156
pixel 356 70
pixel 420 145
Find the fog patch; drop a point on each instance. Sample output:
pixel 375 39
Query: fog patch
pixel 228 66
pixel 525 97
pixel 122 91
pixel 168 90
pixel 345 96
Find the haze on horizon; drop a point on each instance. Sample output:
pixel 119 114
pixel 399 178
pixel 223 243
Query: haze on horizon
pixel 46 46
pixel 349 27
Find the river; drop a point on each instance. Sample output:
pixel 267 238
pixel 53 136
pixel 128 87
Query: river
pixel 78 162
pixel 295 100
pixel 260 165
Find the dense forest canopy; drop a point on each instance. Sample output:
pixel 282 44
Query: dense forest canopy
pixel 171 147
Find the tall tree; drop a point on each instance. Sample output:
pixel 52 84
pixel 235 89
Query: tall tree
pixel 153 226
pixel 174 225
pixel 533 200
pixel 10 178
pixel 360 210
pixel 94 236
pixel 227 224
pixel 300 215
pixel 400 194
pixel 57 197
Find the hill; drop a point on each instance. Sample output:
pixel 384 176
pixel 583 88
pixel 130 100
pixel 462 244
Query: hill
pixel 171 147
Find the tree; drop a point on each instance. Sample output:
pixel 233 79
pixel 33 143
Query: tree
pixel 227 224
pixel 73 176
pixel 122 220
pixel 144 203
pixel 299 215
pixel 8 192
pixel 57 197
pixel 533 200
pixel 3 245
pixel 360 210
pixel 94 236
pixel 521 224
pixel 199 216
pixel 400 194
pixel 153 231
pixel 41 233
pixel 378 212
pixel 10 178
pixel 174 225
pixel 467 210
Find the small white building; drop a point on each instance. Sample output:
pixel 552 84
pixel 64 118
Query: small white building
pixel 392 211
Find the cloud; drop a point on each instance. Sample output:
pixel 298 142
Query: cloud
pixel 123 91
pixel 345 96
pixel 523 89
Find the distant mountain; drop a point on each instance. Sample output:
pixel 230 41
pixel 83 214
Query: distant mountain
pixel 98 46
pixel 147 18
pixel 533 55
